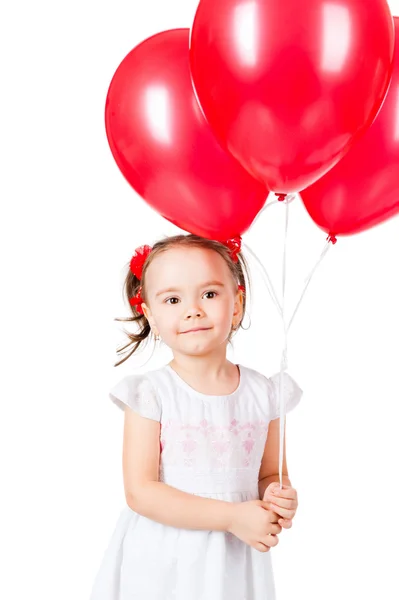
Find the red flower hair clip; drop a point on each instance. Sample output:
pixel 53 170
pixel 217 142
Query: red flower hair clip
pixel 136 267
pixel 234 245
pixel 137 301
pixel 138 260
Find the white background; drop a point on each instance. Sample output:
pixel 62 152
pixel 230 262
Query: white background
pixel 69 226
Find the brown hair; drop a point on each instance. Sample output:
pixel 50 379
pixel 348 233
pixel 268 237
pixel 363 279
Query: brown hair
pixel 131 285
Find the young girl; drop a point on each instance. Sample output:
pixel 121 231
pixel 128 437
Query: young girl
pixel 201 439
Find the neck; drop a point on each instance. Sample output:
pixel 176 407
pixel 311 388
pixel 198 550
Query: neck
pixel 212 365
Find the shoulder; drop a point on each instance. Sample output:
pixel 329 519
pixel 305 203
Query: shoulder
pixel 283 385
pixel 139 392
pixel 271 388
pixel 272 382
pixel 254 377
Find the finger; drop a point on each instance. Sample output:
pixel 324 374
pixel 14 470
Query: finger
pixel 282 512
pixel 275 512
pixel 289 505
pixel 284 498
pixel 271 540
pixel 283 502
pixel 266 505
pixel 280 490
pixel 274 517
pixel 285 523
pixel 261 547
pixel 285 492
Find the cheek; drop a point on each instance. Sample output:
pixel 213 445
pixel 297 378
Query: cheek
pixel 223 311
pixel 167 320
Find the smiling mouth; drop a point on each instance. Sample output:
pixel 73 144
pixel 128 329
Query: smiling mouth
pixel 196 330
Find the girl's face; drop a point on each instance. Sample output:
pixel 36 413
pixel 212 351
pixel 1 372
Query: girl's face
pixel 192 288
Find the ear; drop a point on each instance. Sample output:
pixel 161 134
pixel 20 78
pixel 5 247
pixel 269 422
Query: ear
pixel 238 306
pixel 148 315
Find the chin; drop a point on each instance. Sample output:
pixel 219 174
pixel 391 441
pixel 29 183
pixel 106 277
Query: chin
pixel 199 348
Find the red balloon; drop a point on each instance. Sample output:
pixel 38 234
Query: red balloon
pixel 165 148
pixel 363 189
pixel 287 86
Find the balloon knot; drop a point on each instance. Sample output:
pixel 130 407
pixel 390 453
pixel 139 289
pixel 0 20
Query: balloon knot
pixel 281 197
pixel 331 238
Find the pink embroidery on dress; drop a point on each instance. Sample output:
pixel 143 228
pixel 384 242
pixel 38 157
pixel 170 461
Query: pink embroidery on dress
pixel 189 426
pixel 248 444
pixel 221 446
pixel 204 427
pixel 248 425
pixel 232 444
pixel 189 445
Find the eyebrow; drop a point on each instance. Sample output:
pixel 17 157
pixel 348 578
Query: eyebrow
pixel 206 284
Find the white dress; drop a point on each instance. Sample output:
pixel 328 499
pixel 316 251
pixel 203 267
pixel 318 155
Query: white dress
pixel 211 446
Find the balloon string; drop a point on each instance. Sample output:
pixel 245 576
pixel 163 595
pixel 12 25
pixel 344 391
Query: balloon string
pixel 266 278
pixel 287 199
pixel 268 204
pixel 331 239
pixel 284 361
pixel 308 279
pixel 284 358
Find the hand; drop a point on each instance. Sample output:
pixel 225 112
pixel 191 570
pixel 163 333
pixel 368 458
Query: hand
pixel 283 501
pixel 255 525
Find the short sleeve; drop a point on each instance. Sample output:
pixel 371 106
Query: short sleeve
pixel 292 394
pixel 137 392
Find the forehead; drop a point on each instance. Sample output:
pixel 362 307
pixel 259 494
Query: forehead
pixel 186 266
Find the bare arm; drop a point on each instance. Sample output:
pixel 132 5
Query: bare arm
pixel 268 471
pixel 153 499
pixel 170 506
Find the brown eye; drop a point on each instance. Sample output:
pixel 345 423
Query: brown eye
pixel 173 298
pixel 215 293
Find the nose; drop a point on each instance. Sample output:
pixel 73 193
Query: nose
pixel 194 312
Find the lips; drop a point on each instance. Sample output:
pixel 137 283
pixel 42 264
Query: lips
pixel 196 329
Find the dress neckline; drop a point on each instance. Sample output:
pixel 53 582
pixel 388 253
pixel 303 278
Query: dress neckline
pixel 192 390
